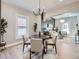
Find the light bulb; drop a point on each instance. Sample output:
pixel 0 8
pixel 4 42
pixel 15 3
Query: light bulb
pixel 62 21
pixel 61 0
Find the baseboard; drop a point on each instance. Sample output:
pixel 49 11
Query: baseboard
pixel 13 44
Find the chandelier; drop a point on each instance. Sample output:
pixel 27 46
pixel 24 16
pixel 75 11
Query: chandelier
pixel 38 11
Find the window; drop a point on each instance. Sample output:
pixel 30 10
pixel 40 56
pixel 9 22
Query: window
pixel 65 28
pixel 22 26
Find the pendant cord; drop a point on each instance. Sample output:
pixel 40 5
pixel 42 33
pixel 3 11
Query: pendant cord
pixel 39 4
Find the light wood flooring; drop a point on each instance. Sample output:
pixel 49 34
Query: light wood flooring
pixel 65 50
pixel 16 53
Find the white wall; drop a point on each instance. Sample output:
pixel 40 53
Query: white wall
pixel 9 13
pixel 39 23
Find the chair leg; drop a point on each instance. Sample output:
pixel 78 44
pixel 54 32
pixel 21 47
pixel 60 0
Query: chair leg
pixel 46 47
pixel 30 53
pixel 23 47
pixel 55 49
pixel 42 54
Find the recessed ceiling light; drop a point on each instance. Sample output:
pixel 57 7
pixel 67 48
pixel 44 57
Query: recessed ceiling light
pixel 61 0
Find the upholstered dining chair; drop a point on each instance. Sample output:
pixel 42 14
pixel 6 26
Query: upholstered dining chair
pixel 51 42
pixel 26 42
pixel 36 46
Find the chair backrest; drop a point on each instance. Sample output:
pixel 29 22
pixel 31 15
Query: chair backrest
pixel 36 44
pixel 24 39
pixel 54 39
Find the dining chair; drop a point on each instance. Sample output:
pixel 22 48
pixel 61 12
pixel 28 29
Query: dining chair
pixel 51 42
pixel 36 46
pixel 26 42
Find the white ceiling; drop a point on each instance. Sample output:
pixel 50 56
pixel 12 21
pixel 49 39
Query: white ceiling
pixel 69 14
pixel 33 4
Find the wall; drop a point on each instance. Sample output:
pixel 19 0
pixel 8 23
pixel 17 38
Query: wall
pixel 9 13
pixel 38 18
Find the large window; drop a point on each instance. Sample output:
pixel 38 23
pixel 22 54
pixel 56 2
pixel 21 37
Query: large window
pixel 22 26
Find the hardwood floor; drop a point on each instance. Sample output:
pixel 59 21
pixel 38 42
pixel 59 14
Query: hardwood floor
pixel 16 53
pixel 64 51
pixel 67 50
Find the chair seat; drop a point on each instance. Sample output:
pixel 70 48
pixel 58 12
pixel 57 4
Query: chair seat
pixel 50 41
pixel 28 41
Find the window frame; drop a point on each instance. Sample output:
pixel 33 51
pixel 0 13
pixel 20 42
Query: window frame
pixel 27 25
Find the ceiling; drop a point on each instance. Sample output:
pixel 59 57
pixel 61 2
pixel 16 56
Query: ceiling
pixel 65 15
pixel 33 4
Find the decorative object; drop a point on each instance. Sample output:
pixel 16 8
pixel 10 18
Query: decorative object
pixel 77 27
pixel 39 34
pixel 35 27
pixel 3 26
pixel 47 25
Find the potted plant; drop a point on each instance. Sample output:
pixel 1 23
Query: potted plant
pixel 3 26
